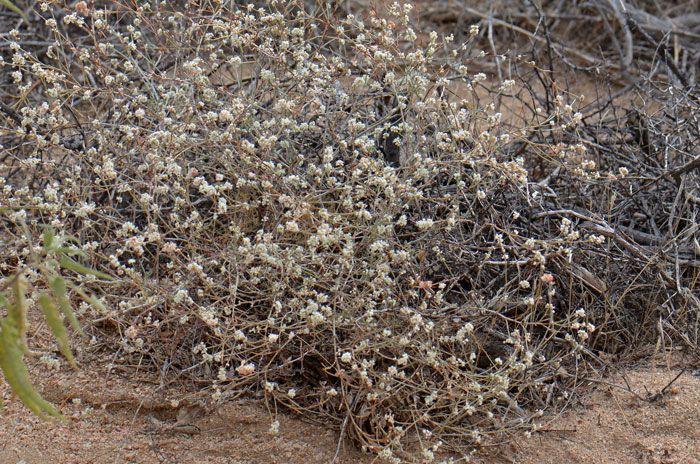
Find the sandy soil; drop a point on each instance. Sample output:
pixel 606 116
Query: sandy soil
pixel 117 419
pixel 612 425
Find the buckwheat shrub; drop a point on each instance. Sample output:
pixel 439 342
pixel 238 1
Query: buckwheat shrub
pixel 320 209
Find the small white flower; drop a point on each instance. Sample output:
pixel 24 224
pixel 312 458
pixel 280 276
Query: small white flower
pixel 424 224
pixel 291 226
pixel 316 317
pixel 131 332
pixel 246 369
pixel 225 116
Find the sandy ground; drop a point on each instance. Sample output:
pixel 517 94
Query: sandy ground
pixel 612 425
pixel 114 419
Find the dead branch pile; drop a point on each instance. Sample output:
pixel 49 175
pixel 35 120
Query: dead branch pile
pixel 632 40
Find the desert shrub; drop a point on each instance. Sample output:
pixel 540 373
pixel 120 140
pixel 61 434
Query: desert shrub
pixel 327 211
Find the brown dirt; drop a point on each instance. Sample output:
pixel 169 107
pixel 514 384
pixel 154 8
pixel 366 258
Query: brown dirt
pixel 116 419
pixel 612 425
pixel 119 415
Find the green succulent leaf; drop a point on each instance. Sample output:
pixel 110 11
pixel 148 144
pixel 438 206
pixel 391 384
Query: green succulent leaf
pixel 58 285
pixel 74 250
pixel 95 302
pixel 71 251
pixel 11 6
pixel 69 264
pixel 17 311
pixel 54 321
pixel 12 364
pixel 48 238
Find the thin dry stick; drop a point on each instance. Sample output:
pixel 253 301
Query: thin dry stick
pixel 341 437
pixel 587 58
pixel 657 396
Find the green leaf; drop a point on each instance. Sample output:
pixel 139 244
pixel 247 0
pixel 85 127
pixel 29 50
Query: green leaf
pixel 16 374
pixel 58 285
pixel 49 235
pixel 68 263
pixel 71 251
pixel 12 7
pixel 94 301
pixel 57 327
pixel 17 312
pixel 71 239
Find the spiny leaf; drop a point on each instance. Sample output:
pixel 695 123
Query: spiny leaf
pixel 58 285
pixel 16 373
pixel 68 263
pixel 57 327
